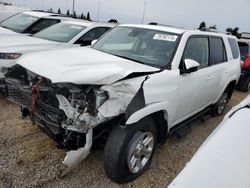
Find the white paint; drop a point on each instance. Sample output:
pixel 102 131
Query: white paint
pixel 190 63
pixel 223 160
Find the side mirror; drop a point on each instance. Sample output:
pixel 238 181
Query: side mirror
pixel 93 42
pixel 190 65
pixel 85 42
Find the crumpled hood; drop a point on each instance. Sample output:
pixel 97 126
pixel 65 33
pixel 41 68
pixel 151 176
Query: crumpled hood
pixel 22 43
pixel 81 66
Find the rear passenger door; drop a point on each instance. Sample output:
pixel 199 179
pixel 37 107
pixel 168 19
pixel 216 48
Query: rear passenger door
pixel 218 64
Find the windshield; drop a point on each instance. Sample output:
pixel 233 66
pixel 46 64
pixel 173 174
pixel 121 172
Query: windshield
pixel 151 47
pixel 62 32
pixel 19 22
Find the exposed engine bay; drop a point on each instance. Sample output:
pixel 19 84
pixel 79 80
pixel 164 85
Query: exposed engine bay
pixel 65 111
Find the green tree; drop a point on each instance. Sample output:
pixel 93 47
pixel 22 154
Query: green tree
pixel 88 16
pixel 213 27
pixel 113 21
pixel 234 31
pixel 202 24
pixel 59 11
pixel 82 16
pixel 74 14
pixel 68 13
pixel 50 10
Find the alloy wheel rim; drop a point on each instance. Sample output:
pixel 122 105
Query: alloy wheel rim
pixel 222 104
pixel 140 151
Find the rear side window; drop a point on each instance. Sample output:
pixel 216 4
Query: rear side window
pixel 218 52
pixel 234 47
pixel 244 49
pixel 41 24
pixel 96 33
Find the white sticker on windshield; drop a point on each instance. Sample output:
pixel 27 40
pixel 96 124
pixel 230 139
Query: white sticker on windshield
pixel 75 27
pixel 165 37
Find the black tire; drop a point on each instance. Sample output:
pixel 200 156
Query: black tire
pixel 118 147
pixel 219 107
pixel 244 83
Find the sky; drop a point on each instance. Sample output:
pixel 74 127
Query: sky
pixel 184 13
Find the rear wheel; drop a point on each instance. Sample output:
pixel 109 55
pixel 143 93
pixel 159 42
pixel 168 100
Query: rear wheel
pixel 128 151
pixel 220 105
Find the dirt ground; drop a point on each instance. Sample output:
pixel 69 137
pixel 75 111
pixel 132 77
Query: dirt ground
pixel 28 158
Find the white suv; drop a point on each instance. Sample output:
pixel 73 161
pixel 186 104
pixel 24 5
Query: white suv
pixel 134 87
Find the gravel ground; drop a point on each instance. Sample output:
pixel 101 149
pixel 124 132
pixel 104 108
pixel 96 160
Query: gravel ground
pixel 28 158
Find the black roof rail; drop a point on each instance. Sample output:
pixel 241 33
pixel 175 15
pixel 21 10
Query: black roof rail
pixel 155 23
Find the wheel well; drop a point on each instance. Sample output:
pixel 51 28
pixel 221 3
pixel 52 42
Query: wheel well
pixel 230 88
pixel 162 125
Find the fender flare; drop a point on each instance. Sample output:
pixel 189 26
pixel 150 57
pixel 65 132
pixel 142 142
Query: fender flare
pixel 150 109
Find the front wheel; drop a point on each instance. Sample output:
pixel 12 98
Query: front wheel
pixel 128 151
pixel 219 107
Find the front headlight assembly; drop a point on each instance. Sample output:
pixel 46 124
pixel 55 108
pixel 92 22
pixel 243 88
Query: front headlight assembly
pixel 10 56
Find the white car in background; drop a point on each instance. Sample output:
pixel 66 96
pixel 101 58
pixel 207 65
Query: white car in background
pixel 224 158
pixel 29 22
pixel 7 11
pixel 62 35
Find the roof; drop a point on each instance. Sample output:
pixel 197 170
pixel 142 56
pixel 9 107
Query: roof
pixel 157 27
pixel 87 23
pixel 38 14
pixel 177 30
pixel 76 22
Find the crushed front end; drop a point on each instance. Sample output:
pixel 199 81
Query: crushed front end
pixel 68 113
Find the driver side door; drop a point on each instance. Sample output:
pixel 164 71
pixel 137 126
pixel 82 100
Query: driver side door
pixel 194 87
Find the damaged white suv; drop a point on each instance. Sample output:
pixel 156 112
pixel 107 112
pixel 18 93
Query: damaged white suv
pixel 134 87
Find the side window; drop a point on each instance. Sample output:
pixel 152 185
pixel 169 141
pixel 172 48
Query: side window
pixel 234 47
pixel 244 49
pixel 42 24
pixel 218 52
pixel 94 34
pixel 197 48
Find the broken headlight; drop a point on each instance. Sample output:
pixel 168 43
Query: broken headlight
pixel 85 99
pixel 10 56
pixel 101 97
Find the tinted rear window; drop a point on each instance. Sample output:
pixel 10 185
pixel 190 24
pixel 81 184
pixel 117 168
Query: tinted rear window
pixel 244 49
pixel 218 53
pixel 234 47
